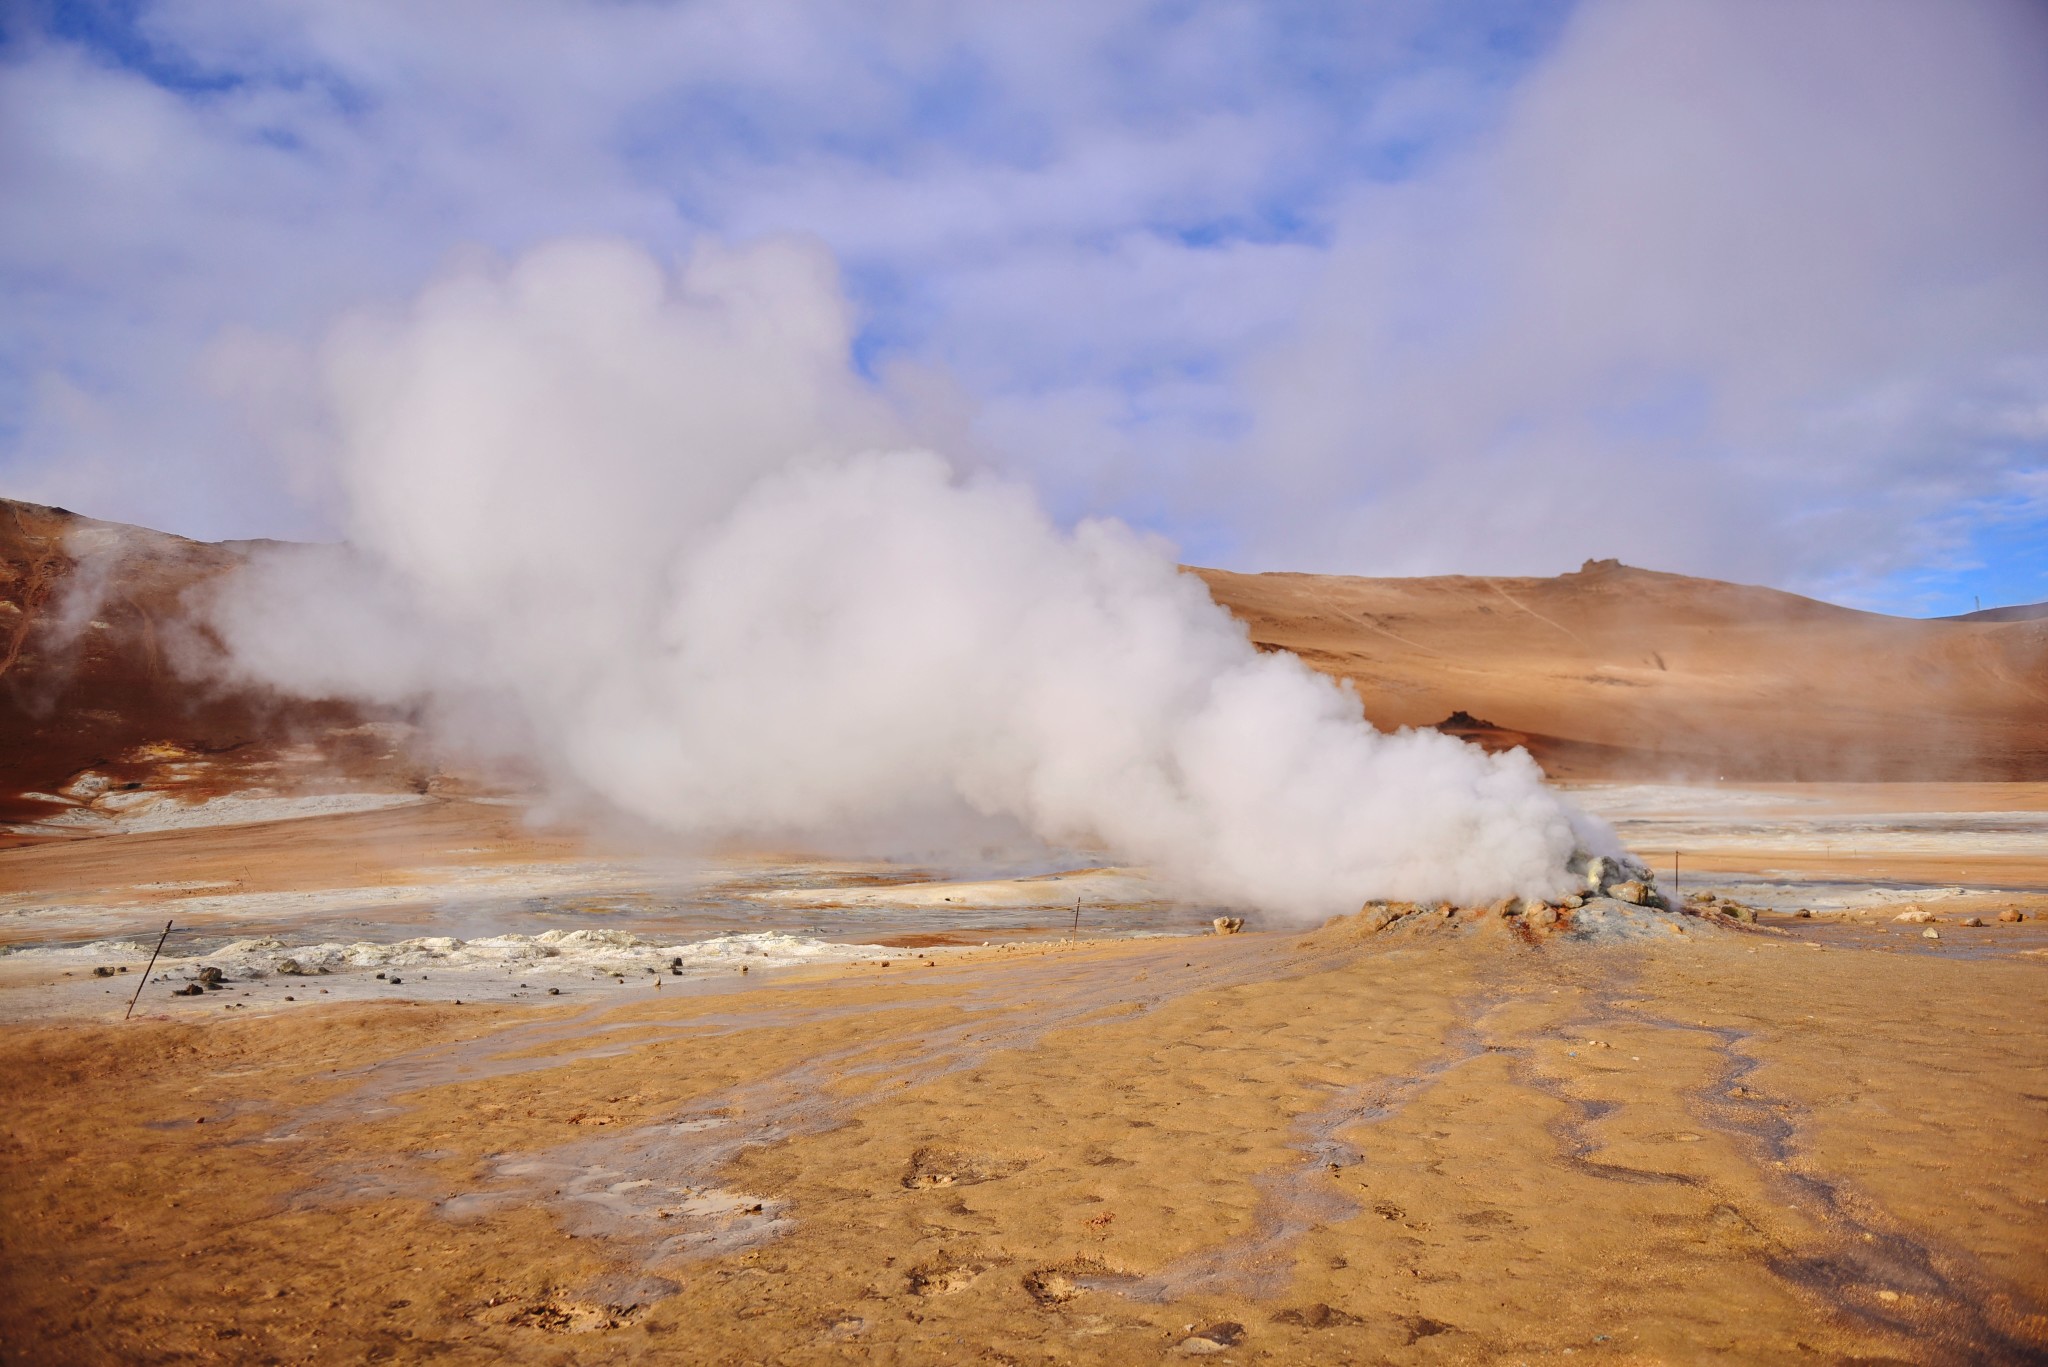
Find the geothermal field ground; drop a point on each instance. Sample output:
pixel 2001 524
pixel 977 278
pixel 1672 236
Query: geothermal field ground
pixel 435 1065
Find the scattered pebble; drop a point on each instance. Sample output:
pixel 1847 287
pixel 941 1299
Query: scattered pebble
pixel 1915 916
pixel 1973 920
pixel 2011 914
pixel 1930 934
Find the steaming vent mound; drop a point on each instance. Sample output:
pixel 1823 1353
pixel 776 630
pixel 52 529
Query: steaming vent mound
pixel 1621 903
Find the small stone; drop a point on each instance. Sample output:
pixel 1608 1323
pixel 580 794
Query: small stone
pixel 1930 934
pixel 1915 917
pixel 1227 925
pixel 1213 1339
pixel 210 976
pixel 1973 920
pixel 1804 914
pixel 554 992
pixel 2010 915
pixel 1543 916
pixel 398 980
pixel 291 999
pixel 289 966
pixel 1575 901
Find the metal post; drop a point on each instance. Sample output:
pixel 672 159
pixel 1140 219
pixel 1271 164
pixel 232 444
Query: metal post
pixel 145 972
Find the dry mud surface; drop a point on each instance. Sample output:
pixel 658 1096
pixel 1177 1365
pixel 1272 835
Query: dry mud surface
pixel 1812 1139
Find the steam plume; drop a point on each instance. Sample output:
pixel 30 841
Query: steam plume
pixel 657 527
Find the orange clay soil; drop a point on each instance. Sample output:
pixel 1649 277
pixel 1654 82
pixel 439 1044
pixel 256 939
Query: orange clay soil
pixel 358 849
pixel 1330 1147
pixel 1614 671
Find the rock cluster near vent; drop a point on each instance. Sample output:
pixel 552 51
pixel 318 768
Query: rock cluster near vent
pixel 1621 902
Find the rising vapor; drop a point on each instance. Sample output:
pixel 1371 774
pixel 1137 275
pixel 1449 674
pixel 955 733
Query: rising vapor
pixel 655 532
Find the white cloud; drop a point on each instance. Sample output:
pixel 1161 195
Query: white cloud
pixel 1768 275
pixel 1717 296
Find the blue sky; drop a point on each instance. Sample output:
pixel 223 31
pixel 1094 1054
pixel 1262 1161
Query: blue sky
pixel 1755 290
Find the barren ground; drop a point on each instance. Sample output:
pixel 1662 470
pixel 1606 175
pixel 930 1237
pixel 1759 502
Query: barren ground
pixel 530 1112
pixel 1817 1140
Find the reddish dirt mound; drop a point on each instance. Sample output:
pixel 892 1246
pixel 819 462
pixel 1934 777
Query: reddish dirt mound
pixel 90 613
pixel 1620 672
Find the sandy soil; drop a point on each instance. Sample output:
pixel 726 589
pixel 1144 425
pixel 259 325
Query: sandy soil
pixel 1820 1137
pixel 1314 1148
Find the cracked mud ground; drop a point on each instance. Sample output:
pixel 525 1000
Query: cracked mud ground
pixel 1320 1148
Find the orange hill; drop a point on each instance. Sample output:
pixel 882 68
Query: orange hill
pixel 1620 672
pixel 1609 672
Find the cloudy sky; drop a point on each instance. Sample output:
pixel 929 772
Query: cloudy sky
pixel 1755 289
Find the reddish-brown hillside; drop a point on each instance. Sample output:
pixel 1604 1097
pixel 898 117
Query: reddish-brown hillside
pixel 90 614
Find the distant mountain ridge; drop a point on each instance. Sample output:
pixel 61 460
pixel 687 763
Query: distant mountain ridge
pixel 2021 612
pixel 1607 672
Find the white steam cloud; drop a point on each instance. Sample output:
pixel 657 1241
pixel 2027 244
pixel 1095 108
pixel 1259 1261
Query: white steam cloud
pixel 660 524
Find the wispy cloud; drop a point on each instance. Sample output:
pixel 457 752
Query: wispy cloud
pixel 1754 290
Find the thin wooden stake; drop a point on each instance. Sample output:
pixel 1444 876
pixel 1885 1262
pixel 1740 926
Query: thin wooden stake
pixel 1077 918
pixel 145 972
pixel 1675 898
